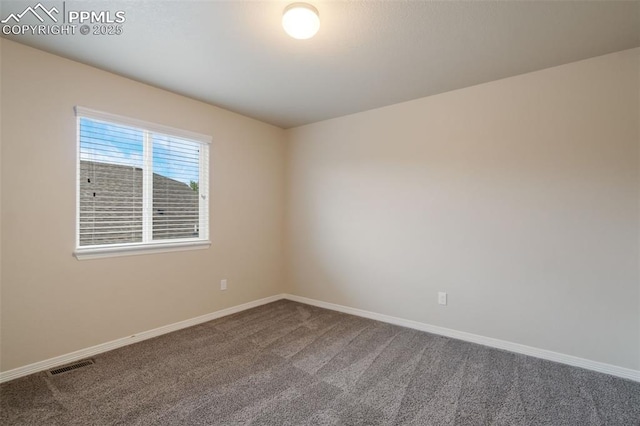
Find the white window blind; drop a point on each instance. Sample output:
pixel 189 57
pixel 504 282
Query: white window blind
pixel 141 187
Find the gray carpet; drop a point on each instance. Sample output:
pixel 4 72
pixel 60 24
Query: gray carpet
pixel 291 364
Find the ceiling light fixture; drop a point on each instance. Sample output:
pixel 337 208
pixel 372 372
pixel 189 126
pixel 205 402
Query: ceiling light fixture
pixel 301 20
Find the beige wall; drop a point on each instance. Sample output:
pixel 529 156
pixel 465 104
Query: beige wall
pixel 53 304
pixel 520 198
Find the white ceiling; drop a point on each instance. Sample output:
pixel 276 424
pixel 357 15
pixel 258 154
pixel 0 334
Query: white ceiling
pixel 367 54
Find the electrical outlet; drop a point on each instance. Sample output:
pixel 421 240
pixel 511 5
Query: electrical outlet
pixel 223 284
pixel 442 298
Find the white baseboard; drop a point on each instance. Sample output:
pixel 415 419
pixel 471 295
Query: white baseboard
pixel 625 373
pixel 47 364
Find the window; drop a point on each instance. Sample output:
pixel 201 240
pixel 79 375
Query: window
pixel 141 187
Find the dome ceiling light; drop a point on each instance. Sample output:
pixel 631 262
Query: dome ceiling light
pixel 301 20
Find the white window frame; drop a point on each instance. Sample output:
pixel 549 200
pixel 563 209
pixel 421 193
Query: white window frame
pixel 148 245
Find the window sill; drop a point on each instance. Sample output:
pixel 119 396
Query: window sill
pixel 131 250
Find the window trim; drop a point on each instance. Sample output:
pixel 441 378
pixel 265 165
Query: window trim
pixel 117 250
pixel 133 122
pixel 159 246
